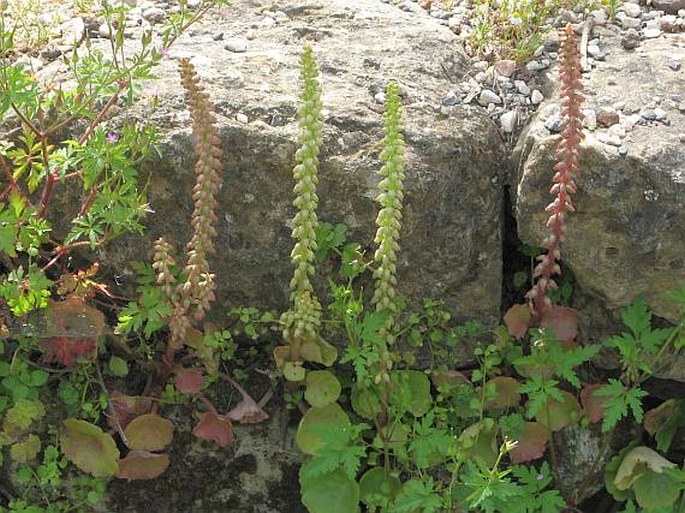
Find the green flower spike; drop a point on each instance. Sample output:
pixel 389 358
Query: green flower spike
pixel 390 200
pixel 302 321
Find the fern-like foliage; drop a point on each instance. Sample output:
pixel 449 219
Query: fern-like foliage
pixel 568 154
pixel 390 199
pixel 302 321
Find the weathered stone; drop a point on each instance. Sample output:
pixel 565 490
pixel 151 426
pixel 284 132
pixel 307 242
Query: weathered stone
pixel 669 6
pixel 628 235
pixel 451 234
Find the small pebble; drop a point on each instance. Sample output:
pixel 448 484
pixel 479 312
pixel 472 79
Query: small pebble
pixel 536 98
pixel 590 118
pixel 522 87
pixel 508 121
pixel 553 123
pixel 651 33
pixel 154 15
pixel 631 39
pixel 242 118
pixel 450 99
pixel 236 45
pixel 648 114
pixel 488 96
pixel 632 10
pixel 379 97
pixel 660 114
pixel 606 117
pixel 623 150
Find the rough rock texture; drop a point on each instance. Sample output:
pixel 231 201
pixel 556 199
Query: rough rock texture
pixel 257 474
pixel 451 238
pixel 628 235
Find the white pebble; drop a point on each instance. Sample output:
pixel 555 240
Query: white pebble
pixel 536 97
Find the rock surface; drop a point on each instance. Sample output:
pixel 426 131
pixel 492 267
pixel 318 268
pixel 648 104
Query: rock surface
pixel 628 234
pixel 451 237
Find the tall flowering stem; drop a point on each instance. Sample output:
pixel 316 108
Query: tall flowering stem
pixel 192 298
pixel 390 199
pixel 302 321
pixel 568 164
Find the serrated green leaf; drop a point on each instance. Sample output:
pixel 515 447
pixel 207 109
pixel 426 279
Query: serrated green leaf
pixel 26 450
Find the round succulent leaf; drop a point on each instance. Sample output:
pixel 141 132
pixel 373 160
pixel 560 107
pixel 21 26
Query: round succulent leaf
pixel 656 491
pixel 394 436
pixel 638 461
pixel 479 441
pixel 322 388
pixel 505 393
pixel 331 492
pixel 89 448
pixel 531 443
pixel 657 417
pixel 142 465
pixel 214 427
pixel 376 489
pixel 293 371
pixel 411 391
pixel 149 432
pixel 557 414
pixel 517 320
pixel 593 404
pixel 310 437
pixel 189 381
pixel 365 402
pixel 563 322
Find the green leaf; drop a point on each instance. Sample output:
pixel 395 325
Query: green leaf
pixel 89 448
pixel 332 492
pixel 322 388
pixel 309 438
pixel 378 489
pixel 149 432
pixel 417 496
pixel 636 462
pixel 117 366
pixel 655 490
pixel 411 392
pixel 619 400
pixel 24 451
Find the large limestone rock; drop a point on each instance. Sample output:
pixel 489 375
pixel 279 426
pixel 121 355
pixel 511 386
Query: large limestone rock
pixel 451 238
pixel 628 235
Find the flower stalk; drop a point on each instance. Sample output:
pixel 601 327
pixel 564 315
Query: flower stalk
pixel 567 166
pixel 302 321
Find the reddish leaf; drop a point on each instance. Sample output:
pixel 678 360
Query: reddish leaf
pixel 142 465
pixel 217 428
pixel 149 432
pixel 517 320
pixel 247 411
pixel 593 404
pixel 506 393
pixel 562 321
pixel 657 417
pixel 126 408
pixel 531 443
pixel 450 378
pixel 189 381
pixel 72 328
